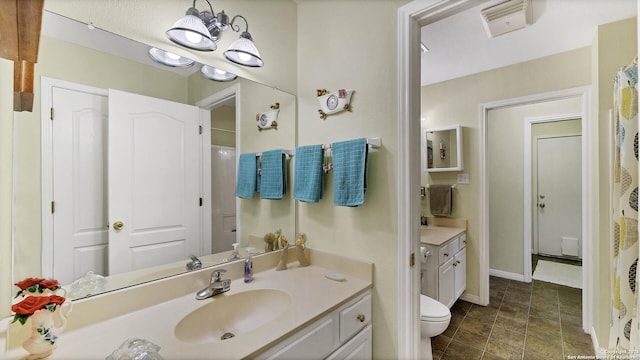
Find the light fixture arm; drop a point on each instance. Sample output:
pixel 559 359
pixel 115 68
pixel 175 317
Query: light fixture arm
pixel 194 8
pixel 236 28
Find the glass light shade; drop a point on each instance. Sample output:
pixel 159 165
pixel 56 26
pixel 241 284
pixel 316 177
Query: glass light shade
pixel 169 59
pixel 244 52
pixel 191 32
pixel 216 74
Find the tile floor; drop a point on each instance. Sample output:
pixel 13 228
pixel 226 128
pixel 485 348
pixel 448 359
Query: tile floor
pixel 537 320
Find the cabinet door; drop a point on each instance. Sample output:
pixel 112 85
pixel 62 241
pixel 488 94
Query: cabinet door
pixel 446 278
pixel 460 264
pixel 357 348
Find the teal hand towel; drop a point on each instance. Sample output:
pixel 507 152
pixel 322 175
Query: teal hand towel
pixel 247 175
pixel 308 175
pixel 349 172
pixel 273 178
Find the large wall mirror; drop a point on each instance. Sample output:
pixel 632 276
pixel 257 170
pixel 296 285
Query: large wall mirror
pixel 75 55
pixel 443 149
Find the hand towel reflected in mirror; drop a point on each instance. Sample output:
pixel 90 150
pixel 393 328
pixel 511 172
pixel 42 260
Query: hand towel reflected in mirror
pixel 308 180
pixel 440 199
pixel 247 176
pixel 349 172
pixel 273 177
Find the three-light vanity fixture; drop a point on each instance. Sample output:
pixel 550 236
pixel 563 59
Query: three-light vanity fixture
pixel 201 30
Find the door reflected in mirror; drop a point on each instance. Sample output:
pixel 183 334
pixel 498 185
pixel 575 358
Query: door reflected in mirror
pixel 443 149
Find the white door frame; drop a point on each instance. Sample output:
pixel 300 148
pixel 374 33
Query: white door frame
pixel 411 17
pixel 46 154
pixel 589 176
pixel 208 103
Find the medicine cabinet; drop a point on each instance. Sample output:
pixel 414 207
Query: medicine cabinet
pixel 443 149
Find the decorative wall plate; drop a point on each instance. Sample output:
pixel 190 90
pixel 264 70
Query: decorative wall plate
pixel 268 120
pixel 335 102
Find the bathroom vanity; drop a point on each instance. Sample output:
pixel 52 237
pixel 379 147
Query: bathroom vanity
pixel 295 313
pixel 444 265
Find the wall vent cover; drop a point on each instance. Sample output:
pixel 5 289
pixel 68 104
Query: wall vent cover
pixel 507 16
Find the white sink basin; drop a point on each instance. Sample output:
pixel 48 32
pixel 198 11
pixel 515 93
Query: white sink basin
pixel 227 316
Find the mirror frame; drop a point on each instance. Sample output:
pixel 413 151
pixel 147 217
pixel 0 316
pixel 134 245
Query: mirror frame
pixel 459 164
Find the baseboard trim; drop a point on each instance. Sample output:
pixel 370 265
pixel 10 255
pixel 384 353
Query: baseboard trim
pixel 601 353
pixel 506 275
pixel 474 299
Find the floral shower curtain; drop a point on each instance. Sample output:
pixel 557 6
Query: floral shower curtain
pixel 624 246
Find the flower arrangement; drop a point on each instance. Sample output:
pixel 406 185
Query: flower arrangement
pixel 38 294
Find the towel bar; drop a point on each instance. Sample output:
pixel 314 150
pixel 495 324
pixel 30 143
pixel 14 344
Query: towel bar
pixel 374 142
pixel 291 153
pixel 453 186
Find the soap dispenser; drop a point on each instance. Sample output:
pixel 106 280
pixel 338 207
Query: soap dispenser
pixel 248 269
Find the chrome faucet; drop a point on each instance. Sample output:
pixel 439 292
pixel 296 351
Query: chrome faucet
pixel 194 264
pixel 217 285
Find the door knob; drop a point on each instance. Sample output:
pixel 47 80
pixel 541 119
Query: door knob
pixel 118 225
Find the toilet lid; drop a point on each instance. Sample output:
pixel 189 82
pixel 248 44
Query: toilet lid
pixel 432 310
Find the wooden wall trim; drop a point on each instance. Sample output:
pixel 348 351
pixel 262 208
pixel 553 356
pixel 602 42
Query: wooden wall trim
pixel 20 25
pixel 9 30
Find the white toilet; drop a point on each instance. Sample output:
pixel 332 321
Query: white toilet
pixel 434 320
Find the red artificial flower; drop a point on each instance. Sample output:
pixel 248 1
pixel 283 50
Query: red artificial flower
pixel 30 304
pixel 49 283
pixel 29 282
pixel 55 299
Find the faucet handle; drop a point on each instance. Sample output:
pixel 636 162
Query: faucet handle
pixel 216 275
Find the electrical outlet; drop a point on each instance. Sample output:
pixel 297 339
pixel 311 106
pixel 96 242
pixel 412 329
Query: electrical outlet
pixel 463 178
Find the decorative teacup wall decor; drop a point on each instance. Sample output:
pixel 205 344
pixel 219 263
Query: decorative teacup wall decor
pixel 335 102
pixel 40 306
pixel 268 119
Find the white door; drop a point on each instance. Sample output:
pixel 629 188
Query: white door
pixel 79 158
pixel 154 181
pixel 223 199
pixel 559 196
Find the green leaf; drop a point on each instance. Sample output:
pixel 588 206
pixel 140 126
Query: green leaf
pixel 20 318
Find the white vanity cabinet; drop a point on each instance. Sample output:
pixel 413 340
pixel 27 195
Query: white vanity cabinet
pixel 345 333
pixel 445 270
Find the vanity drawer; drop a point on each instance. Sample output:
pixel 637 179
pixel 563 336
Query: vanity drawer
pixel 462 241
pixel 444 254
pixel 355 317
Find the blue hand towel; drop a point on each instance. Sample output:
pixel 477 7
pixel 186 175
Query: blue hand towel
pixel 273 178
pixel 308 175
pixel 247 175
pixel 349 172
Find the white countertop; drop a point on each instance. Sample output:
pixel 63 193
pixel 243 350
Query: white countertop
pixel 312 296
pixel 438 235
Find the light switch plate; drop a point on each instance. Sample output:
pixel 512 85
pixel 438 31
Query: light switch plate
pixel 463 178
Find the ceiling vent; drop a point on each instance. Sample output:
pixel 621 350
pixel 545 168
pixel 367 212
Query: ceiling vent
pixel 506 16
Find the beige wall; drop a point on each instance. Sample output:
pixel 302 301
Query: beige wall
pixel 506 179
pixel 458 102
pixel 614 47
pixel 337 48
pixel 6 188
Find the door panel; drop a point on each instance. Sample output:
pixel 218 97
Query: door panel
pixel 154 181
pixel 559 202
pixel 79 150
